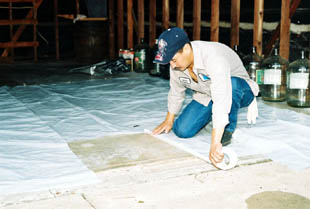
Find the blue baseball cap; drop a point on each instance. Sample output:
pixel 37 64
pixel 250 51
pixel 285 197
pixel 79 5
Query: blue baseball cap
pixel 169 43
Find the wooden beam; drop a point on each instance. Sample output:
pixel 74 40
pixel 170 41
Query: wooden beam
pixel 285 29
pixel 165 16
pixel 152 30
pixel 18 44
pixel 56 28
pixel 16 1
pixel 215 17
pixel 93 19
pixel 11 26
pixel 180 14
pixel 120 24
pixel 258 25
pixel 234 21
pixel 19 22
pixel 276 32
pixel 196 19
pixel 35 48
pixel 77 7
pixel 111 30
pixel 140 20
pixel 22 27
pixel 129 24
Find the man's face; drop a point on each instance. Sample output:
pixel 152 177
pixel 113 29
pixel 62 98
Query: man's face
pixel 181 60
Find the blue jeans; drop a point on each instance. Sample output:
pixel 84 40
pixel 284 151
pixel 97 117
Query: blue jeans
pixel 195 116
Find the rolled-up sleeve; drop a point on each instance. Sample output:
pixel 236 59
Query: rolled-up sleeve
pixel 176 94
pixel 221 91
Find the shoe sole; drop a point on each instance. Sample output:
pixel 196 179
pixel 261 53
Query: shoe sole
pixel 226 143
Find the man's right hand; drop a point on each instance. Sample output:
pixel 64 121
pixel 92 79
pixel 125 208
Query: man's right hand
pixel 165 126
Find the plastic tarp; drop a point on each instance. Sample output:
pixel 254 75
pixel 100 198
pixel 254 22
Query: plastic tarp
pixel 36 122
pixel 33 156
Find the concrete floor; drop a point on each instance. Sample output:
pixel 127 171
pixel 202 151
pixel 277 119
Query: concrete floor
pixel 148 173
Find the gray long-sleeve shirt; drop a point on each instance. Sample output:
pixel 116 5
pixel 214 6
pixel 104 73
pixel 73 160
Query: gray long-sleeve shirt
pixel 214 65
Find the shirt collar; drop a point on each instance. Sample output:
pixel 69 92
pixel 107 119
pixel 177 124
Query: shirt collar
pixel 198 59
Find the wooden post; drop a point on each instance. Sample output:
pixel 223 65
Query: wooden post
pixel 35 48
pixel 180 14
pixel 21 28
pixel 11 27
pixel 56 28
pixel 129 24
pixel 234 21
pixel 152 22
pixel 196 19
pixel 140 20
pixel 77 7
pixel 165 17
pixel 285 29
pixel 215 16
pixel 120 24
pixel 111 30
pixel 258 25
pixel 276 32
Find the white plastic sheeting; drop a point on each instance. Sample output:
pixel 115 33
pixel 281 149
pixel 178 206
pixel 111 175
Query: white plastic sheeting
pixel 37 121
pixel 33 156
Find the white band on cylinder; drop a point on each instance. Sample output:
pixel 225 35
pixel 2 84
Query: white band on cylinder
pixel 233 159
pixel 229 153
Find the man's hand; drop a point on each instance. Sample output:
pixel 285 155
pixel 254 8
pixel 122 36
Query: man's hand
pixel 216 154
pixel 252 112
pixel 165 126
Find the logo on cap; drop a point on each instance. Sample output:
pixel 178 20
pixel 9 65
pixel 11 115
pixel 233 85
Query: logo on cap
pixel 161 50
pixel 176 38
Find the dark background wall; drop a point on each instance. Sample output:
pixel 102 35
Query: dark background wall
pixel 46 35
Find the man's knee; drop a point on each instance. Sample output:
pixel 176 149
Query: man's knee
pixel 182 132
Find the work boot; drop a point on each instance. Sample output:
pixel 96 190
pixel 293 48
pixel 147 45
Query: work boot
pixel 226 138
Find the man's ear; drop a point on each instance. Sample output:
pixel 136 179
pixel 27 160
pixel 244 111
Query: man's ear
pixel 187 48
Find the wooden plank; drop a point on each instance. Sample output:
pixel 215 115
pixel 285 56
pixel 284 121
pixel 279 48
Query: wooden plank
pixel 129 24
pixel 215 17
pixel 276 32
pixel 19 22
pixel 285 29
pixel 120 24
pixel 140 20
pixel 111 30
pixel 22 27
pixel 234 21
pixel 258 25
pixel 19 44
pixel 152 22
pixel 196 19
pixel 180 14
pixel 165 16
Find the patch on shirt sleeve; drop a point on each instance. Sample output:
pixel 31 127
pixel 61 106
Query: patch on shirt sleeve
pixel 185 80
pixel 203 77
